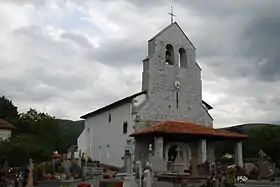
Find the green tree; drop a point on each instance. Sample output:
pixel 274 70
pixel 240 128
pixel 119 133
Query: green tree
pixel 264 138
pixel 8 111
pixel 43 126
pixel 37 135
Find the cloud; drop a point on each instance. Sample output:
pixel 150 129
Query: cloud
pixel 68 57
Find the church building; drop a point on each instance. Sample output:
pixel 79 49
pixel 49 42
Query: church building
pixel 168 113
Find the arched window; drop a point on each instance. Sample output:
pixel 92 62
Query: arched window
pixel 169 54
pixel 182 57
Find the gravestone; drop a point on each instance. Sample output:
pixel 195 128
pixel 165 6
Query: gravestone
pixel 127 168
pixel 159 164
pixel 204 169
pixel 147 178
pixel 66 164
pixel 194 169
pixel 179 162
pixel 264 170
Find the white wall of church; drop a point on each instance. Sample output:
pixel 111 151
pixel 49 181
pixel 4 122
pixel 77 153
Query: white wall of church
pixel 5 134
pixel 82 146
pixel 107 140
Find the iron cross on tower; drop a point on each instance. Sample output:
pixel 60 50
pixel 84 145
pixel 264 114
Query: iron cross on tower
pixel 171 14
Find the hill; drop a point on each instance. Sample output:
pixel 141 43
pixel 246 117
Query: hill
pixel 71 130
pixel 246 128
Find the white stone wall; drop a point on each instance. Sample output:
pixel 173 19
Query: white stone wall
pixel 82 142
pixel 107 135
pixel 5 134
pixel 158 79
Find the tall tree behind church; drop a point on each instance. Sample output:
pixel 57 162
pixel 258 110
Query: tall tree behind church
pixel 8 111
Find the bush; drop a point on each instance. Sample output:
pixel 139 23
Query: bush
pixel 277 172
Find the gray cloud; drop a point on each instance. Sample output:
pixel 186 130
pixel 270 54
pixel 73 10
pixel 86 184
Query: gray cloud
pixel 78 38
pixel 65 71
pixel 120 52
pixel 263 37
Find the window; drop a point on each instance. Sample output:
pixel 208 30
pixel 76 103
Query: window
pixel 110 118
pixel 169 54
pixel 182 57
pixel 125 127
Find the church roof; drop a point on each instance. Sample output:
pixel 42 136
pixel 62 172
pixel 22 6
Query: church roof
pixel 207 105
pixel 166 28
pixel 112 105
pixel 122 101
pixel 6 125
pixel 187 128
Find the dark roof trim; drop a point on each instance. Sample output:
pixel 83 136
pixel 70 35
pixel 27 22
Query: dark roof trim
pixel 207 105
pixel 113 105
pixel 168 28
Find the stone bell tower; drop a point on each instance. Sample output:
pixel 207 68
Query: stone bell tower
pixel 172 79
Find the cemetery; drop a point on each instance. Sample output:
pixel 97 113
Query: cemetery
pixel 150 172
pixel 155 172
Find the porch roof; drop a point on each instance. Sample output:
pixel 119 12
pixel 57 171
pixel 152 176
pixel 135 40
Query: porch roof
pixel 187 128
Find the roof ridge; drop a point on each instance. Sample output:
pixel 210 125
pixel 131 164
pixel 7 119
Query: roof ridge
pixel 193 128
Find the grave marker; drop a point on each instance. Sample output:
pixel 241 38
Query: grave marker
pixel 179 165
pixel 159 164
pixel 194 169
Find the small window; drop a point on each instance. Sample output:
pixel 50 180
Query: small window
pixel 110 118
pixel 182 58
pixel 124 127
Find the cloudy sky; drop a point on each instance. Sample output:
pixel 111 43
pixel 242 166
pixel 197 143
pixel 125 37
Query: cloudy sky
pixel 68 57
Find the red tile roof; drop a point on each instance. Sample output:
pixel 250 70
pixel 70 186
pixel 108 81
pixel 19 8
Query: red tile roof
pixel 6 125
pixel 180 127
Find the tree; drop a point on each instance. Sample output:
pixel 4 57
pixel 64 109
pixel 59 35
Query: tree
pixel 264 138
pixel 37 135
pixel 43 126
pixel 8 111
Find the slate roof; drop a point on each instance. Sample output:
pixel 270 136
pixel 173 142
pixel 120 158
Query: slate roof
pixel 6 125
pixel 120 102
pixel 187 128
pixel 113 105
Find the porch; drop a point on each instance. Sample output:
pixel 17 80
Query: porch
pixel 181 145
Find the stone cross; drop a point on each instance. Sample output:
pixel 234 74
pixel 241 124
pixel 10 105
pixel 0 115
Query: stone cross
pixel 150 153
pixel 171 14
pixel 178 149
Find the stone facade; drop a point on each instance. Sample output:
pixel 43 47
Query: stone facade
pixel 165 101
pixel 172 83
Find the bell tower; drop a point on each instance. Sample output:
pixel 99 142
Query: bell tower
pixel 172 78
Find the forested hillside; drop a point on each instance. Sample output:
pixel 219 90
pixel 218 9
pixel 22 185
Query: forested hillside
pixel 262 136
